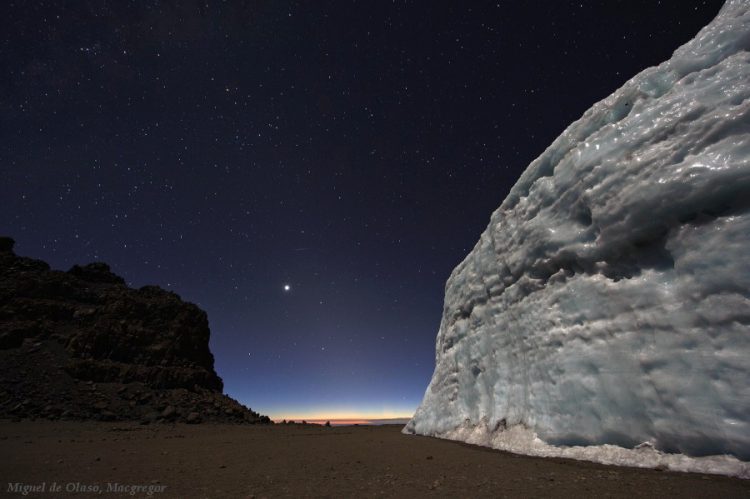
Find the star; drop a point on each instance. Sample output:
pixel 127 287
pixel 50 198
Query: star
pixel 287 288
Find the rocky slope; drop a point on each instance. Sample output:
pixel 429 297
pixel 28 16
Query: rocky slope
pixel 83 345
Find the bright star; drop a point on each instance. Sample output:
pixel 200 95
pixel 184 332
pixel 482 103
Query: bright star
pixel 287 287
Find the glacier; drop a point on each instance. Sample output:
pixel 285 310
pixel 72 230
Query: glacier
pixel 604 314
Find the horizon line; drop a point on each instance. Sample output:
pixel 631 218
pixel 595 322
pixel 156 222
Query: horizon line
pixel 338 414
pixel 360 419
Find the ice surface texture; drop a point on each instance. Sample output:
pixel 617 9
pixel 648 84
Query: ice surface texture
pixel 608 300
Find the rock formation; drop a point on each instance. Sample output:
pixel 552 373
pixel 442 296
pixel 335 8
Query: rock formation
pixel 608 301
pixel 83 345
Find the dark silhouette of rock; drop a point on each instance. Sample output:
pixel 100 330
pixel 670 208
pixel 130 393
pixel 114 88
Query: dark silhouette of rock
pixel 83 345
pixel 6 244
pixel 96 272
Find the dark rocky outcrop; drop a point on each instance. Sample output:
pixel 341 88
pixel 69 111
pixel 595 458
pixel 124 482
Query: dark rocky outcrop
pixel 83 345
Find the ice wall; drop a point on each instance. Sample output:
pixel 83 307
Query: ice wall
pixel 608 300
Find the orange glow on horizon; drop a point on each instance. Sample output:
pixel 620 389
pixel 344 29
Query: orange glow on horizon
pixel 341 417
pixel 342 421
pixel 335 421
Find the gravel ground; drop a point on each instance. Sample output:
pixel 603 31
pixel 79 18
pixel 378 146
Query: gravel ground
pixel 211 460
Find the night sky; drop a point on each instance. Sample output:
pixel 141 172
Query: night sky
pixel 352 151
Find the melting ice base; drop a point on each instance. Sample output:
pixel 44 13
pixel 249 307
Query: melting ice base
pixel 607 303
pixel 521 440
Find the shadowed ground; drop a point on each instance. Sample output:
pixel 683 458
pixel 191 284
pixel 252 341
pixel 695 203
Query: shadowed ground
pixel 292 461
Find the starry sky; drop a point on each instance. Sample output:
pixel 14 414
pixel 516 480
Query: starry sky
pixel 350 150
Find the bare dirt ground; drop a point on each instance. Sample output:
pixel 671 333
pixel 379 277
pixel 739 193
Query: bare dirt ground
pixel 195 461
